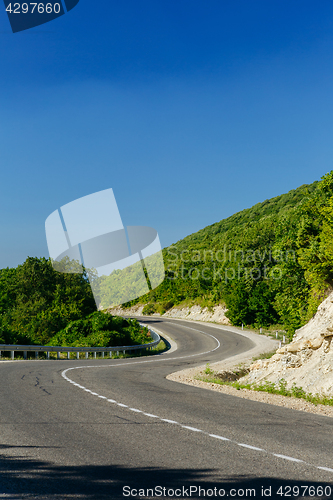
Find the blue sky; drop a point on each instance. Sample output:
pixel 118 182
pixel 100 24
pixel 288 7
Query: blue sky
pixel 189 110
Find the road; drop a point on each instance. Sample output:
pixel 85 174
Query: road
pixel 112 429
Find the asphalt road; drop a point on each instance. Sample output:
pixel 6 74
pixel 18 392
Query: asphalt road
pixel 117 428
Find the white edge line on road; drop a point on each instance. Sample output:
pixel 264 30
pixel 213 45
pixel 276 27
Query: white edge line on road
pixel 173 422
pixel 189 428
pixel 325 468
pixel 285 457
pixel 250 447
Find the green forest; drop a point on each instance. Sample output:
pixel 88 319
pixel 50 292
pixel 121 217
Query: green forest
pixel 40 306
pixel 269 264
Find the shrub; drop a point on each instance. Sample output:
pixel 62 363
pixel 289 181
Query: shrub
pixel 149 309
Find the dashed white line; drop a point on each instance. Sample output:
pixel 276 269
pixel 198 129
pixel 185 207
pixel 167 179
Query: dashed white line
pixel 325 468
pixel 192 429
pixel 250 447
pixel 288 458
pixel 218 437
pixel 169 421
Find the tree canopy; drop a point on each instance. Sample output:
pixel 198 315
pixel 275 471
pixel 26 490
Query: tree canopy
pixel 269 264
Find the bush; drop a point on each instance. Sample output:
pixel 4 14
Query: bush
pixel 101 330
pixel 36 301
pixel 149 309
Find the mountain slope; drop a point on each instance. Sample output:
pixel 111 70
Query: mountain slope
pixel 269 264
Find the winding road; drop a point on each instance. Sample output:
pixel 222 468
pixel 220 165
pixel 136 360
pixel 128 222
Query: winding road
pixel 108 429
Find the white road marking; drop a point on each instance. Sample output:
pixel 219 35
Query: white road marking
pixel 192 429
pixel 288 458
pixel 250 447
pixel 169 421
pixel 187 427
pixel 218 437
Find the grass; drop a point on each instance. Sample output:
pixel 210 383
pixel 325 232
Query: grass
pixel 270 387
pixel 208 370
pixel 265 355
pixel 269 331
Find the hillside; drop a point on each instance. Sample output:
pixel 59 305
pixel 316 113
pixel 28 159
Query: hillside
pixel 307 361
pixel 269 264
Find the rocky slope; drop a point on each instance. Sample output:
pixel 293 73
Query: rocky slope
pixel 307 361
pixel 197 313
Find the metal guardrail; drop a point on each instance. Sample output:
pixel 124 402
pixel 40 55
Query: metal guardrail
pixel 58 349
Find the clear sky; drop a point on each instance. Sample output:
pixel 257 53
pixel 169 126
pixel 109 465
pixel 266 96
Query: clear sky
pixel 190 110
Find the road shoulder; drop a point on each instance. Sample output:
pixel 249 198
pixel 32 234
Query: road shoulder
pixel 263 344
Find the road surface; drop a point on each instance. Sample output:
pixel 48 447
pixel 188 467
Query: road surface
pixel 108 429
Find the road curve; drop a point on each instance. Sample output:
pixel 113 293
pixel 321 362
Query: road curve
pixel 117 428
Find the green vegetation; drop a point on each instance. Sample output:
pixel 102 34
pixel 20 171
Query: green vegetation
pixel 208 370
pixel 266 355
pixel 102 330
pixel 269 264
pixel 41 306
pixel 270 387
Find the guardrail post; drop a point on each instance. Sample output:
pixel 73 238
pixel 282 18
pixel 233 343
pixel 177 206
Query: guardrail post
pixel 284 339
pixel 58 349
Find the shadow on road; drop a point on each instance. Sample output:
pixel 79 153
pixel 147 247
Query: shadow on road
pixel 24 478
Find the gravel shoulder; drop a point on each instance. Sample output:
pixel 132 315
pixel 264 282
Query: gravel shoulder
pixel 263 344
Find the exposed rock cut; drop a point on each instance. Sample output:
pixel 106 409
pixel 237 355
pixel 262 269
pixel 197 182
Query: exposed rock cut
pixel 307 361
pixel 197 313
